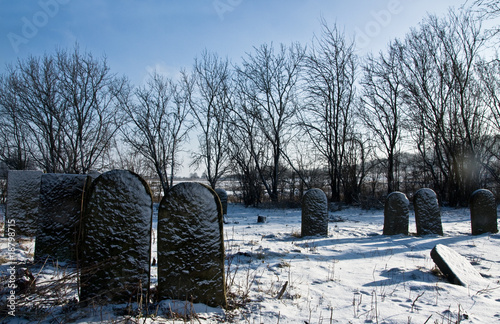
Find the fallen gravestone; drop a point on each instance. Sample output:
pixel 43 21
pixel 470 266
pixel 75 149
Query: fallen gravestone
pixel 396 214
pixel 60 209
pixel 115 244
pixel 483 212
pixel 23 191
pixel 191 246
pixel 456 268
pixel 314 213
pixel 223 199
pixel 427 212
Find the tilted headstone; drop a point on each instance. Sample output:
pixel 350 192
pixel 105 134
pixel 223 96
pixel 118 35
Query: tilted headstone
pixel 223 199
pixel 427 212
pixel 115 244
pixel 23 196
pixel 396 214
pixel 191 246
pixel 456 268
pixel 483 212
pixel 60 210
pixel 314 213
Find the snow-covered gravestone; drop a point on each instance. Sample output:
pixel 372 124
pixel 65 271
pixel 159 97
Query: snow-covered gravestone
pixel 456 268
pixel 427 212
pixel 23 191
pixel 314 213
pixel 115 247
pixel 191 246
pixel 223 199
pixel 483 212
pixel 396 214
pixel 60 209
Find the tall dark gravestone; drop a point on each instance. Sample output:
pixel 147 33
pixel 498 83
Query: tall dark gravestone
pixel 427 212
pixel 314 213
pixel 396 214
pixel 191 245
pixel 115 244
pixel 61 198
pixel 23 197
pixel 223 199
pixel 483 212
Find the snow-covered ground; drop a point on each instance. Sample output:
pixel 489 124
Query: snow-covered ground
pixel 355 275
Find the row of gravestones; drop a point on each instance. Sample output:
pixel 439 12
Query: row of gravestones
pixel 104 225
pixel 396 213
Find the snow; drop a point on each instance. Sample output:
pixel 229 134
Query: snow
pixel 354 275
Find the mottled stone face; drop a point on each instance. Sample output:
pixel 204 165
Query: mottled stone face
pixel 59 216
pixel 115 247
pixel 23 191
pixel 396 214
pixel 483 212
pixel 191 246
pixel 314 213
pixel 427 212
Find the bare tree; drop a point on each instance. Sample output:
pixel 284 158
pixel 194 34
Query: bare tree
pixel 210 101
pixel 329 116
pixel 382 109
pixel 268 81
pixel 158 125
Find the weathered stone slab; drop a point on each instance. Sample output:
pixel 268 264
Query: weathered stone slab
pixel 61 197
pixel 223 199
pixel 396 214
pixel 483 212
pixel 456 268
pixel 191 246
pixel 23 191
pixel 314 213
pixel 115 246
pixel 427 212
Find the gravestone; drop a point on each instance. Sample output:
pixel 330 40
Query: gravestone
pixel 223 199
pixel 23 191
pixel 483 212
pixel 427 212
pixel 191 246
pixel 115 244
pixel 314 213
pixel 456 268
pixel 396 214
pixel 61 197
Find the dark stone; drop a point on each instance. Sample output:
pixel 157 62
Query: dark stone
pixel 223 199
pixel 60 209
pixel 396 214
pixel 23 197
pixel 261 219
pixel 314 213
pixel 115 247
pixel 483 212
pixel 456 268
pixel 427 212
pixel 191 246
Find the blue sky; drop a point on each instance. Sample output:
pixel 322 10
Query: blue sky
pixel 140 36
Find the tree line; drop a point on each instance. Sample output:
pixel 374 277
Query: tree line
pixel 424 112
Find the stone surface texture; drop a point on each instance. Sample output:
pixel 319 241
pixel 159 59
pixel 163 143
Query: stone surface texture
pixel 483 212
pixel 23 197
pixel 427 212
pixel 191 246
pixel 115 247
pixel 61 197
pixel 457 268
pixel 396 214
pixel 314 213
